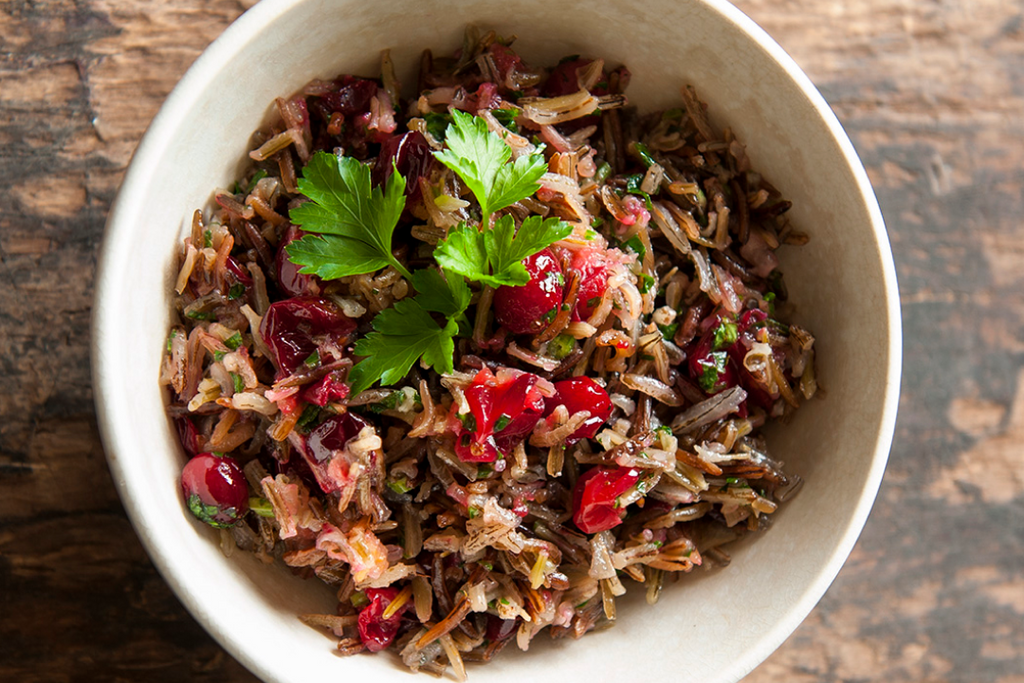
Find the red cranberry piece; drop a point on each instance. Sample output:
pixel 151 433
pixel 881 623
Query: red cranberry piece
pixel 325 390
pixel 411 154
pixel 711 368
pixel 501 414
pixel 581 393
pixel 499 629
pixel 352 97
pixel 375 631
pixel 188 435
pixel 240 274
pixel 289 279
pixel 564 81
pixel 592 265
pixel 594 498
pixel 294 328
pixel 215 489
pixel 323 446
pixel 505 61
pixel 529 308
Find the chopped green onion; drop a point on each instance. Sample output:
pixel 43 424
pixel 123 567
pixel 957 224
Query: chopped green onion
pixel 561 346
pixel 239 382
pixel 261 506
pixel 725 334
pixel 502 422
pixel 237 291
pixel 313 360
pixel 260 175
pixel 234 341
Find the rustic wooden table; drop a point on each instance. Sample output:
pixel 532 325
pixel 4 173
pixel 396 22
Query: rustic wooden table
pixel 932 94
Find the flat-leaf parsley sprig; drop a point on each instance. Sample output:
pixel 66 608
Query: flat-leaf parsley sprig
pixel 354 224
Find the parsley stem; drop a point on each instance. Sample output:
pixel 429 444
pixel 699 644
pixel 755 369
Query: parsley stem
pixel 401 269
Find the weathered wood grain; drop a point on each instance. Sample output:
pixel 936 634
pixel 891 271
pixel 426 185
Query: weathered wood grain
pixel 932 95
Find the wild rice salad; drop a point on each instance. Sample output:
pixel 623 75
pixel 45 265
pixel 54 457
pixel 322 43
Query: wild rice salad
pixel 481 359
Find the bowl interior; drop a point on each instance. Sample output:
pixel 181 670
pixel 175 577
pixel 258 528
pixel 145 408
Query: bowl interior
pixel 716 626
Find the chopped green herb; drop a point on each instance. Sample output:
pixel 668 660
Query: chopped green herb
pixel 234 341
pixel 487 565
pixel 635 244
pixel 239 382
pixel 549 316
pixel 260 175
pixel 643 154
pixel 646 282
pixel 208 238
pixel 484 470
pixel 218 356
pixel 595 224
pixel 309 416
pixel 725 334
pixel 400 485
pixel 199 315
pixel 504 601
pixel 669 331
pixel 170 338
pixel 561 346
pixel 261 506
pixel 713 366
pixel 468 421
pixel 593 302
pixel 359 600
pixel 502 422
pixel 237 291
pixel 506 117
pixel 312 360
pixel 603 171
pixel 437 124
pixel 473 513
pixel 770 298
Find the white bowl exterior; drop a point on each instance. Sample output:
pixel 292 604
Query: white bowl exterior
pixel 713 627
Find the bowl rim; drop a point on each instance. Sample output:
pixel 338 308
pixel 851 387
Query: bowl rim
pixel 157 140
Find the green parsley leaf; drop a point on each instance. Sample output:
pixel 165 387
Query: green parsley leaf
pixel 402 335
pixel 237 291
pixel 448 294
pixel 494 257
pixel 669 331
pixel 480 158
pixel 238 381
pixel 354 221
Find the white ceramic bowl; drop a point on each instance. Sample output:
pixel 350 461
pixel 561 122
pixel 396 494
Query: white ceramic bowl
pixel 711 627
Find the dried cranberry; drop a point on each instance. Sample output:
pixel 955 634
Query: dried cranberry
pixel 352 97
pixel 503 409
pixel 326 443
pixel 595 498
pixel 188 435
pixel 237 272
pixel 215 489
pixel 327 389
pixel 564 79
pixel 486 97
pixel 506 61
pixel 711 366
pixel 529 308
pixel 294 328
pixel 375 631
pixel 500 629
pixel 411 154
pixel 289 279
pixel 581 393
